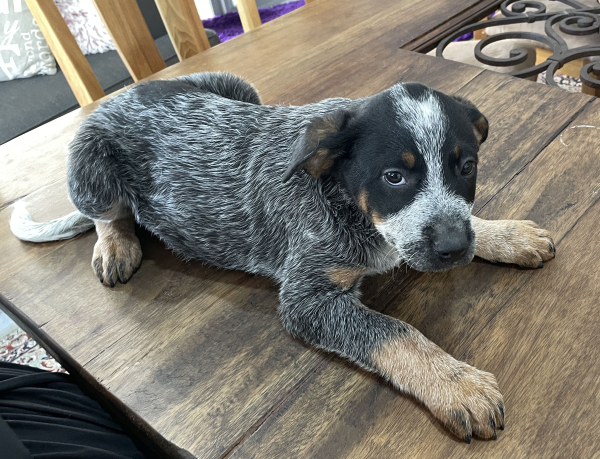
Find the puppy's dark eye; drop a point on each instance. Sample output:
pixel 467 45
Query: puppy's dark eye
pixel 468 168
pixel 394 178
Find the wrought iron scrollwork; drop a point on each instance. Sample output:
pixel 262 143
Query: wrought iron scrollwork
pixel 576 20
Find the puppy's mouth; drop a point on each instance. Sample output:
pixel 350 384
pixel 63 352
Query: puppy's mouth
pixel 428 255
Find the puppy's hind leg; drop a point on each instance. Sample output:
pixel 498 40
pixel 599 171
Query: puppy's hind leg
pixel 117 254
pixel 521 242
pixel 99 192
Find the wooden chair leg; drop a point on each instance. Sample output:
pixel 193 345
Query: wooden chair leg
pixel 77 70
pixel 248 14
pixel 125 24
pixel 184 26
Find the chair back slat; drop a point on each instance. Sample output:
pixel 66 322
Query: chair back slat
pixel 125 24
pixel 74 65
pixel 131 36
pixel 184 26
pixel 248 14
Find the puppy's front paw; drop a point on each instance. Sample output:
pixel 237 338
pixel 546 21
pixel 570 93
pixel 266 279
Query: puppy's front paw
pixel 116 258
pixel 529 245
pixel 468 402
pixel 520 242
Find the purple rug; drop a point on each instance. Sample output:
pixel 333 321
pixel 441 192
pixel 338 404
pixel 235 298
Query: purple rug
pixel 229 25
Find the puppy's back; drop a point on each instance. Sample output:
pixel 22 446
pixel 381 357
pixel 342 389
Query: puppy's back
pixel 220 83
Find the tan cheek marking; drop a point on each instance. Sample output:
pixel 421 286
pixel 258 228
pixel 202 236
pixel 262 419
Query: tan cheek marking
pixel 376 218
pixel 409 159
pixel 362 200
pixel 345 277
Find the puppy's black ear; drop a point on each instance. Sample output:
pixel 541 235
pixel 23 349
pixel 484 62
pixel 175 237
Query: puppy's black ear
pixel 324 140
pixel 480 122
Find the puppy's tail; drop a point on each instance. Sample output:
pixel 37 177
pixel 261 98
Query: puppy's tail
pixel 224 84
pixel 65 227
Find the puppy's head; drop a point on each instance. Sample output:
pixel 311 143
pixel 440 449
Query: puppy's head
pixel 408 157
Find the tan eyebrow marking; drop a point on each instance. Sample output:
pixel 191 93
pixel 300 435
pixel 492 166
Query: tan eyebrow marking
pixel 409 159
pixel 457 150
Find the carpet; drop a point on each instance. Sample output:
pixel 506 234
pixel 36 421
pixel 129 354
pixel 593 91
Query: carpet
pixel 18 347
pixel 565 82
pixel 229 25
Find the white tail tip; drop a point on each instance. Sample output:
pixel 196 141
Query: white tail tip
pixel 23 227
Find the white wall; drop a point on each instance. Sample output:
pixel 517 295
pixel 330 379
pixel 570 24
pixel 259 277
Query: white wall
pixel 205 9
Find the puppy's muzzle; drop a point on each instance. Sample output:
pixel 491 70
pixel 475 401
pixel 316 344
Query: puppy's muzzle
pixel 449 242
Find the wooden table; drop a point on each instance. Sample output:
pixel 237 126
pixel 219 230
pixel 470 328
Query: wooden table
pixel 199 355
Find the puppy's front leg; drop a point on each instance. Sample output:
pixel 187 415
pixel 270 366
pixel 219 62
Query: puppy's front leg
pixel 117 254
pixel 521 242
pixel 322 309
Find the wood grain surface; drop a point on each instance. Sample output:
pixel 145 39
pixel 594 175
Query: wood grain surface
pixel 72 62
pixel 200 354
pixel 428 41
pixel 37 159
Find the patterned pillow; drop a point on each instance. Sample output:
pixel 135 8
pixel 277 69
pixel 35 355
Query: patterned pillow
pixel 86 26
pixel 23 49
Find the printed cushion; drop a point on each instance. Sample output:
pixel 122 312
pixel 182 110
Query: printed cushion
pixel 86 26
pixel 23 49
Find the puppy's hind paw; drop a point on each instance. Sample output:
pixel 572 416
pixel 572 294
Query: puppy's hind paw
pixel 116 258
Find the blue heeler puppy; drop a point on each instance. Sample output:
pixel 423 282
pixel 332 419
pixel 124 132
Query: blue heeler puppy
pixel 315 197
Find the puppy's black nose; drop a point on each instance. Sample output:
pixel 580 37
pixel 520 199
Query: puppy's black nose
pixel 452 247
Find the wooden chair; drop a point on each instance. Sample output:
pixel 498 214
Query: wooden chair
pixel 125 24
pixel 248 14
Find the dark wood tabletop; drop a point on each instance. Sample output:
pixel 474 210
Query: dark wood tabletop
pixel 199 353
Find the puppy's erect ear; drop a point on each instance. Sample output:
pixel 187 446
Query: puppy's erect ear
pixel 323 141
pixel 480 122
